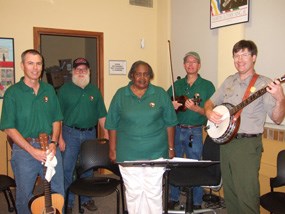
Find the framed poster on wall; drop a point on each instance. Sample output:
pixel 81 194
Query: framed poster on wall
pixel 228 12
pixel 7 64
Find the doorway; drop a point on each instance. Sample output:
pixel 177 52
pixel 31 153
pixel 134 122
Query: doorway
pixel 60 47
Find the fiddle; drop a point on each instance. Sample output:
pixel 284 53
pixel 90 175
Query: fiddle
pixel 182 99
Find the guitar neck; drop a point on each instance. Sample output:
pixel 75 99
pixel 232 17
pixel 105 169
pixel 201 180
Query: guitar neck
pixel 47 192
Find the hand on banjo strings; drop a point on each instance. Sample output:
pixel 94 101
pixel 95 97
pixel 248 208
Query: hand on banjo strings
pixel 215 117
pixel 276 89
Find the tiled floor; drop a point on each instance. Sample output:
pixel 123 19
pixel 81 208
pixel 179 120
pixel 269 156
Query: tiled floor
pixel 107 205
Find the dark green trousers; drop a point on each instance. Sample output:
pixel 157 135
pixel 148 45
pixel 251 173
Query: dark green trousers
pixel 240 164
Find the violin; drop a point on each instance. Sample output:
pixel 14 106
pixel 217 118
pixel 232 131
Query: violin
pixel 182 99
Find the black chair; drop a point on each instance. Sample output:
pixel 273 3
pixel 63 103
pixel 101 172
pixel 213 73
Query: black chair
pixel 94 154
pixel 273 201
pixel 6 183
pixel 187 178
pixel 210 199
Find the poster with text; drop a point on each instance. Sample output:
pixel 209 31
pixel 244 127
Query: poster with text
pixel 228 12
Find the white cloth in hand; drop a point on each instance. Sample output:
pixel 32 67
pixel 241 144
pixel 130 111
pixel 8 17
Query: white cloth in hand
pixel 50 164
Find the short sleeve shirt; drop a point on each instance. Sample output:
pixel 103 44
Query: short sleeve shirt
pixel 28 112
pixel 81 107
pixel 253 116
pixel 201 86
pixel 141 123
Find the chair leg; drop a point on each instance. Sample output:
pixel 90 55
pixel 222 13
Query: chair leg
pixel 189 200
pixel 118 201
pixel 80 209
pixel 12 200
pixel 123 197
pixel 10 208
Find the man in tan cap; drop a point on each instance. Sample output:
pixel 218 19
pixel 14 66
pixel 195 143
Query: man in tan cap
pixel 188 135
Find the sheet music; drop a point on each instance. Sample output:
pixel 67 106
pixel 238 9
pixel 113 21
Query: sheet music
pixel 175 159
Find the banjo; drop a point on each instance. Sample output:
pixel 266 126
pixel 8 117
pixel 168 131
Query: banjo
pixel 227 129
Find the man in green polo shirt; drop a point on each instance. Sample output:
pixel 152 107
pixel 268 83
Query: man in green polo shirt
pixel 83 107
pixel 194 91
pixel 31 107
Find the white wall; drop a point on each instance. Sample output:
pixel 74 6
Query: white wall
pixel 190 31
pixel 266 29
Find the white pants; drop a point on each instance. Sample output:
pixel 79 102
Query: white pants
pixel 143 189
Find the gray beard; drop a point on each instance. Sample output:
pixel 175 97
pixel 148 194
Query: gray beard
pixel 81 82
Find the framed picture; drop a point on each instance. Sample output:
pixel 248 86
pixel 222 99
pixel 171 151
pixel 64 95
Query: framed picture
pixel 228 12
pixel 7 64
pixel 118 67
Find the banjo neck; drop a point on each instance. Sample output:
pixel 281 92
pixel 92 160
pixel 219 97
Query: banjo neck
pixel 251 98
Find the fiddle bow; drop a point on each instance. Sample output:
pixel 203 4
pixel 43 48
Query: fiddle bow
pixel 180 99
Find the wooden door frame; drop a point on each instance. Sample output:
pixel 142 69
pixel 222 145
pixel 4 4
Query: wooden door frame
pixel 38 31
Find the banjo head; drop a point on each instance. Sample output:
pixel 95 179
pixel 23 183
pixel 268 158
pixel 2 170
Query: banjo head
pixel 217 130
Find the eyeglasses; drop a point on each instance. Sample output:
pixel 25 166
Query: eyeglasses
pixel 81 70
pixel 242 56
pixel 191 62
pixel 142 75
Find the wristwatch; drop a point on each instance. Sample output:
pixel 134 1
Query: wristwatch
pixel 55 143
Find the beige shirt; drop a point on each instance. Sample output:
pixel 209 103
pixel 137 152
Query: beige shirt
pixel 253 116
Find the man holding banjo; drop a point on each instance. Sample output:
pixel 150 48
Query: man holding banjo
pixel 241 123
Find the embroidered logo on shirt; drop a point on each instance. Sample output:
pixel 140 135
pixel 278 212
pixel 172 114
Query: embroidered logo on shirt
pixel 45 99
pixel 91 98
pixel 151 105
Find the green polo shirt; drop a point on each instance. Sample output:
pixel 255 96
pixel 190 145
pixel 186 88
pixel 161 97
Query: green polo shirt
pixel 203 87
pixel 81 107
pixel 30 114
pixel 141 123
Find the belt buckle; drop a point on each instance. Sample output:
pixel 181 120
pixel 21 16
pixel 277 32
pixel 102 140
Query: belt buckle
pixel 83 129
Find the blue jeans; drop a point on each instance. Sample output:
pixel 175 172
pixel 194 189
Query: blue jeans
pixel 26 169
pixel 73 139
pixel 193 151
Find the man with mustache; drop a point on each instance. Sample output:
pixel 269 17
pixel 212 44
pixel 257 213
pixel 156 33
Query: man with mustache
pixel 82 107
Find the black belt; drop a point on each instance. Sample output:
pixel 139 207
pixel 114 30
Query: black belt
pixel 81 129
pixel 244 135
pixel 183 126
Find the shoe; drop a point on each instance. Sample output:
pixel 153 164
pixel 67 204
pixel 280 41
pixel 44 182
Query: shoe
pixel 172 205
pixel 90 205
pixel 197 207
pixel 69 210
